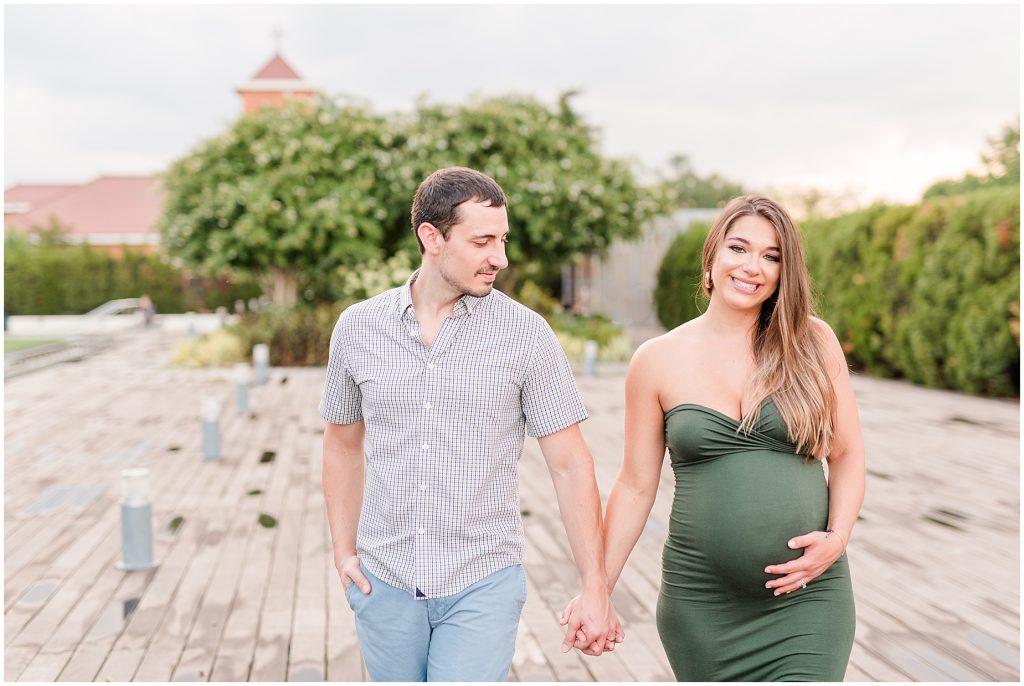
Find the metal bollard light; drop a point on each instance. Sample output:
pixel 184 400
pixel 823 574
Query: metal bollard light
pixel 242 376
pixel 211 429
pixel 136 521
pixel 590 358
pixel 261 361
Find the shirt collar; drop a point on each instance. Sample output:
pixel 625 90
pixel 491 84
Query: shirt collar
pixel 467 304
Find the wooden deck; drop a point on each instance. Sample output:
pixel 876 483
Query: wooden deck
pixel 935 558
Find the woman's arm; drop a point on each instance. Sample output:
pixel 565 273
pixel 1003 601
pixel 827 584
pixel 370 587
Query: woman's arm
pixel 633 494
pixel 636 487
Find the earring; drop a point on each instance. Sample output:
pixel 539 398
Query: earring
pixel 707 280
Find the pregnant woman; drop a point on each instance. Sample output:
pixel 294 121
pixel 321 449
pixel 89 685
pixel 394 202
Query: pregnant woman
pixel 750 399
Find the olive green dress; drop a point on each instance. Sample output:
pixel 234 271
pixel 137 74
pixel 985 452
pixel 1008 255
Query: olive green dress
pixel 739 498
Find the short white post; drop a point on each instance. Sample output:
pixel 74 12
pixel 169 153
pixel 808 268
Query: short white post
pixel 211 429
pixel 136 521
pixel 590 358
pixel 261 362
pixel 242 375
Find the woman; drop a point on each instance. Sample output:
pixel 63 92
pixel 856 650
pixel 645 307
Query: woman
pixel 749 398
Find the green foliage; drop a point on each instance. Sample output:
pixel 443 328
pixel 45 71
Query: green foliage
pixel 678 296
pixel 683 187
pixel 852 273
pixel 52 277
pixel 564 198
pixel 297 337
pixel 300 190
pixel 308 192
pixel 1002 168
pixel 925 292
pixel 595 328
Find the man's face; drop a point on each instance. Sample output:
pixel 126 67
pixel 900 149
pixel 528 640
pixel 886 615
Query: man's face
pixel 475 250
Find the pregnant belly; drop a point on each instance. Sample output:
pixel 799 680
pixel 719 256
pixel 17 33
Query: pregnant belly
pixel 733 516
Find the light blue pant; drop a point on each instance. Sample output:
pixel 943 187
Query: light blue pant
pixel 470 636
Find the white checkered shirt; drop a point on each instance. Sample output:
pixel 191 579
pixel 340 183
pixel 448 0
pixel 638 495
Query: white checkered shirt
pixel 444 431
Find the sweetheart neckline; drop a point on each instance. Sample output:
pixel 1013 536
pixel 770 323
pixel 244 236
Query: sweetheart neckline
pixel 710 409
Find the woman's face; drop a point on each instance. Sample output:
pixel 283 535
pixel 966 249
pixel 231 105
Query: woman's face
pixel 747 266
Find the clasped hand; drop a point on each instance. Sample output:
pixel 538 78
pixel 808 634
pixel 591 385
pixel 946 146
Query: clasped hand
pixel 820 552
pixel 591 625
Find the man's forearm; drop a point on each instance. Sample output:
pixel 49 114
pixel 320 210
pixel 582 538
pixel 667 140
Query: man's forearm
pixel 580 507
pixel 343 470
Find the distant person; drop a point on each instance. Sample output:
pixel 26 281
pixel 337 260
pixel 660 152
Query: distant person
pixel 430 388
pixel 750 398
pixel 148 310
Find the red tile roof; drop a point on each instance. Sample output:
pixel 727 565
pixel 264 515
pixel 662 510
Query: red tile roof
pixel 277 68
pixel 109 204
pixel 33 194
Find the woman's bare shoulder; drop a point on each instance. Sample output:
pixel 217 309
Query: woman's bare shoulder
pixel 666 349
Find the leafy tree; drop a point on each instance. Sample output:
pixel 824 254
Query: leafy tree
pixel 1002 166
pixel 289 195
pixel 564 198
pixel 301 195
pixel 683 187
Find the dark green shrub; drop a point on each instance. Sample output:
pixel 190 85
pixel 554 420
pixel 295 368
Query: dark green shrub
pixel 978 247
pixel 678 296
pixel 297 337
pixel 55 278
pixel 982 350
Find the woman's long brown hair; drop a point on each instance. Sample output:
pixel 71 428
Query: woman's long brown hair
pixel 790 359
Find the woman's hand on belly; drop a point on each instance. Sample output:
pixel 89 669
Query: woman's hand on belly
pixel 820 552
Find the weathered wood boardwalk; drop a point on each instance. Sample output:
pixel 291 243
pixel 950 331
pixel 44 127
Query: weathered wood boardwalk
pixel 935 558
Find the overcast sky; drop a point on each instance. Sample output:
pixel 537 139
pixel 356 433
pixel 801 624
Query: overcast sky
pixel 881 100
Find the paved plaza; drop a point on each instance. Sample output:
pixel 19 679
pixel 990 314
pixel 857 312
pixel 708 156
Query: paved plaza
pixel 245 589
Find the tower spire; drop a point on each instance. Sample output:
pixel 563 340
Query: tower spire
pixel 278 34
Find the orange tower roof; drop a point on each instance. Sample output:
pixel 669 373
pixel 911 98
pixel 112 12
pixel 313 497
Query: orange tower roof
pixel 277 68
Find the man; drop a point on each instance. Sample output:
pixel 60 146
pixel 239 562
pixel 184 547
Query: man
pixel 429 390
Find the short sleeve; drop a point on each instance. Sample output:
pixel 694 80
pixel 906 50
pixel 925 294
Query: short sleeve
pixel 341 402
pixel 551 400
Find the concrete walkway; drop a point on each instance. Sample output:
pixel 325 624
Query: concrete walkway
pixel 240 597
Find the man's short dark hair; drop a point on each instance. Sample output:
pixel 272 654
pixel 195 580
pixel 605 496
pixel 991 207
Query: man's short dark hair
pixel 438 198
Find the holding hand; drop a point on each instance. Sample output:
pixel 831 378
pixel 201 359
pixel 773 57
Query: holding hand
pixel 581 635
pixel 821 550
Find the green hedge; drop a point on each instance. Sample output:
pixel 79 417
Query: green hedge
pixel 928 292
pixel 49 278
pixel 678 296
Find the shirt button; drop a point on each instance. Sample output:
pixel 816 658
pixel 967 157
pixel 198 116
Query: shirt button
pixel 421 531
pixel 426 447
pixel 423 487
pixel 426 406
pixel 430 365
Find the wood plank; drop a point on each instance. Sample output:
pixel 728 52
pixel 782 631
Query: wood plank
pixel 162 654
pixel 234 601
pixel 307 659
pixel 235 657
